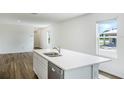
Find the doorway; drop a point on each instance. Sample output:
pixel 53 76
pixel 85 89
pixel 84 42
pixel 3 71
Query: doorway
pixel 42 38
pixel 37 39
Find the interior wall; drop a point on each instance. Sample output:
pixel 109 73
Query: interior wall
pixel 79 34
pixel 16 38
pixel 55 34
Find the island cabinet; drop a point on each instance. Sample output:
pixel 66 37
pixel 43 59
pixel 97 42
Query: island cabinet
pixel 87 72
pixel 40 66
pixel 45 69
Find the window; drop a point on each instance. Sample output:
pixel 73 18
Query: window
pixel 107 38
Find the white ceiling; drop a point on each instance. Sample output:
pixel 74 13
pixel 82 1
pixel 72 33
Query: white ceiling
pixel 37 19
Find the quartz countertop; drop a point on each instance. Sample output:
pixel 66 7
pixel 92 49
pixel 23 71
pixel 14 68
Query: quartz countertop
pixel 71 59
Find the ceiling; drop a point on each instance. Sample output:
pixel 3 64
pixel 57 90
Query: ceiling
pixel 36 18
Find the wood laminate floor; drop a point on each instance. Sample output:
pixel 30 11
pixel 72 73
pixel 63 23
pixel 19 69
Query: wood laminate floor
pixel 17 66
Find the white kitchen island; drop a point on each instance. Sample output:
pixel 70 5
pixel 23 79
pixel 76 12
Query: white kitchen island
pixel 71 65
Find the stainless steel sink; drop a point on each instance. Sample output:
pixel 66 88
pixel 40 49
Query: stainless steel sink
pixel 52 54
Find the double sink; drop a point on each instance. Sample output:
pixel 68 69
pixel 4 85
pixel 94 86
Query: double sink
pixel 52 54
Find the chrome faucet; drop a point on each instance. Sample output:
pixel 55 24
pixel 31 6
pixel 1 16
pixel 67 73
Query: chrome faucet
pixel 58 49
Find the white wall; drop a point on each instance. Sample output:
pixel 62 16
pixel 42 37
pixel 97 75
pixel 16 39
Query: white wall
pixel 77 34
pixel 55 34
pixel 80 34
pixel 16 38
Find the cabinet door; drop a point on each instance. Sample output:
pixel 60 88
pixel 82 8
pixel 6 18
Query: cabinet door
pixel 40 66
pixel 43 68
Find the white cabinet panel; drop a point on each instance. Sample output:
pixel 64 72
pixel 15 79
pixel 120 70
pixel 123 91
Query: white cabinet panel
pixel 79 73
pixel 40 66
pixel 42 69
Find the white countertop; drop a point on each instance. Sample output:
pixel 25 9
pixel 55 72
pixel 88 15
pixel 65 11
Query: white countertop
pixel 71 59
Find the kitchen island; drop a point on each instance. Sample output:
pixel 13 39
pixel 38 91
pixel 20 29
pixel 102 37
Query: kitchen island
pixel 70 65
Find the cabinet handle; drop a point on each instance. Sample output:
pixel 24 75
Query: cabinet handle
pixel 53 69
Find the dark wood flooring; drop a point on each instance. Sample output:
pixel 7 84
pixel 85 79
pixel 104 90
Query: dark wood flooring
pixel 17 66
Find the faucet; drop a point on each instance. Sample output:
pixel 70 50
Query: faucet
pixel 58 49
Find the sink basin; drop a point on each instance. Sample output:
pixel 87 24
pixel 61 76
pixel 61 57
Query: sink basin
pixel 52 54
